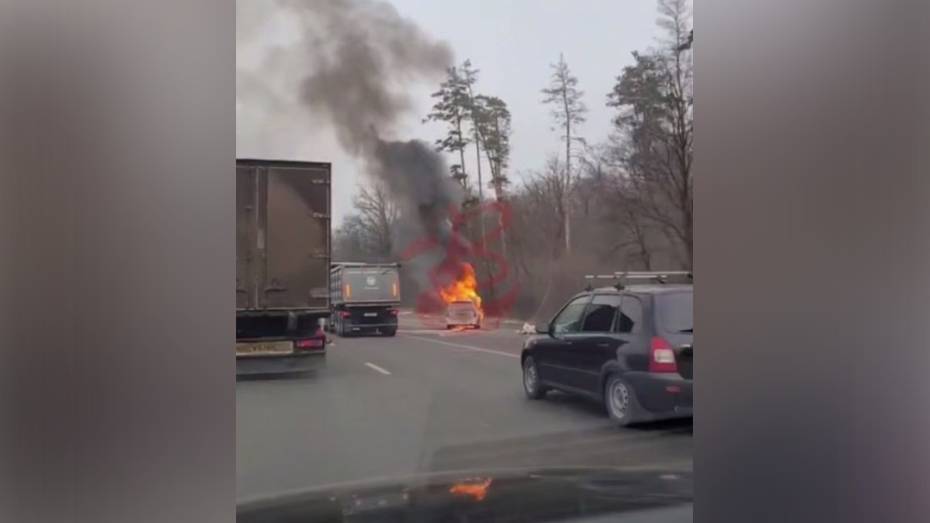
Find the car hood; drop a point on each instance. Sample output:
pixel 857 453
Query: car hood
pixel 514 495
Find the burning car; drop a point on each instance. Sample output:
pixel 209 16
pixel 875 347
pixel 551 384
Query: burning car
pixel 463 313
pixel 463 303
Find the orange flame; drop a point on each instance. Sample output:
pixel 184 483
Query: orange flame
pixel 476 490
pixel 465 288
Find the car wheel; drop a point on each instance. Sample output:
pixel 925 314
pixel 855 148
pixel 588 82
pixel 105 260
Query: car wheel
pixel 620 401
pixel 389 332
pixel 531 385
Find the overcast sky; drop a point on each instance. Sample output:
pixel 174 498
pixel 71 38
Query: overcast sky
pixel 511 42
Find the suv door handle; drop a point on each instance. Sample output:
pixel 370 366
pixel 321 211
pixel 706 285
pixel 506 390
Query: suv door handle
pixel 603 345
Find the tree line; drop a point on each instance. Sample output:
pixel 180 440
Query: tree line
pixel 620 202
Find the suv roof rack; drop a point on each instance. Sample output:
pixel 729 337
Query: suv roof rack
pixel 621 277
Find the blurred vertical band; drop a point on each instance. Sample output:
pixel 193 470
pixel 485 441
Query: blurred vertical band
pixel 812 249
pixel 116 211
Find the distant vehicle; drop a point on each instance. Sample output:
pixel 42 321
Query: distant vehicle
pixel 282 265
pixel 463 314
pixel 629 347
pixel 364 298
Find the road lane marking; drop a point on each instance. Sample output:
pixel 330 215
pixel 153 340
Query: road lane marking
pixel 377 368
pixel 422 331
pixel 463 346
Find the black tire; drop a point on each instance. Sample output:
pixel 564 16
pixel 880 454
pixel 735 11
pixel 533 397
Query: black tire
pixel 389 332
pixel 620 401
pixel 531 386
pixel 341 328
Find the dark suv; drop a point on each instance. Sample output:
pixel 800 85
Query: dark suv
pixel 628 347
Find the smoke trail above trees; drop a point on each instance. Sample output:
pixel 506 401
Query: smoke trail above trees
pixel 360 57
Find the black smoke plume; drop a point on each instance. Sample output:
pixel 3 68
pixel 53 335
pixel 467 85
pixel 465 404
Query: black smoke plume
pixel 362 57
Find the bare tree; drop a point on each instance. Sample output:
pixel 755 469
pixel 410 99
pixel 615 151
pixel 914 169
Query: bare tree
pixel 377 216
pixel 533 251
pixel 636 230
pixel 675 19
pixel 569 112
pixel 349 242
pixel 547 190
pixel 655 100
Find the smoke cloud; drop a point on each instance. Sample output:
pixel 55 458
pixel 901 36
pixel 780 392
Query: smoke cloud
pixel 360 58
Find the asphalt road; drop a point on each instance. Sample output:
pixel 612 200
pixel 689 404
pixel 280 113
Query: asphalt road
pixel 426 400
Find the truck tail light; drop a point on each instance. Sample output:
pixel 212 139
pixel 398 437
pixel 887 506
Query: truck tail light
pixel 318 341
pixel 347 290
pixel 394 289
pixel 311 343
pixel 661 356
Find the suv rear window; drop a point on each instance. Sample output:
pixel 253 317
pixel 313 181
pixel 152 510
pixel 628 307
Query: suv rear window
pixel 675 312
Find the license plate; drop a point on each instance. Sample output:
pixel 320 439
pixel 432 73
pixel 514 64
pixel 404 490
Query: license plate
pixel 371 314
pixel 264 348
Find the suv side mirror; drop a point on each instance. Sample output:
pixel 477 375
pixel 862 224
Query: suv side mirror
pixel 548 329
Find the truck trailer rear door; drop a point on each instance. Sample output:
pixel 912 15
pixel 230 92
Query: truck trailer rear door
pixel 297 238
pixel 282 235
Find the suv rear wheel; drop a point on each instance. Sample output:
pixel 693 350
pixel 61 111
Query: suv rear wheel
pixel 620 401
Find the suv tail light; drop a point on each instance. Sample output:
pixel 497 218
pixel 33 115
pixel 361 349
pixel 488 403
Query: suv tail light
pixel 345 314
pixel 661 356
pixel 393 312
